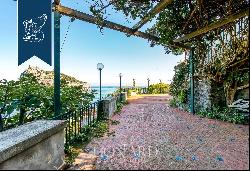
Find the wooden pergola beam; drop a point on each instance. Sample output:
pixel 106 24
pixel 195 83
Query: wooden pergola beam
pixel 108 24
pixel 157 9
pixel 111 25
pixel 214 25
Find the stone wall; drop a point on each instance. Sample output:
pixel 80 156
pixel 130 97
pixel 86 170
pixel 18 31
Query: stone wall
pixel 38 145
pixel 207 94
pixel 108 106
pixel 210 93
pixel 202 93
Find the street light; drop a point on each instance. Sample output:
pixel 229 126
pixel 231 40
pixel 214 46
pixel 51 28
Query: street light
pixel 133 82
pixel 160 86
pixel 100 66
pixel 148 84
pixel 120 75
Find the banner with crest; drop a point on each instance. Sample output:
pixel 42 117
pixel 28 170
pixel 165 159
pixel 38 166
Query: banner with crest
pixel 34 30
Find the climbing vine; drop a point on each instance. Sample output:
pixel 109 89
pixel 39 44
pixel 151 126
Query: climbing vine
pixel 179 86
pixel 222 56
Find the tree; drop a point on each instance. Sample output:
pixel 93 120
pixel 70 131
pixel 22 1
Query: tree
pixel 26 99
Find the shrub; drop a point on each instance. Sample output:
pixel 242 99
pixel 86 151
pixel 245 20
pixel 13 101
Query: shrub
pixel 173 103
pixel 160 88
pixel 226 114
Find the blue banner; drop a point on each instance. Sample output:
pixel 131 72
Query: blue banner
pixel 34 30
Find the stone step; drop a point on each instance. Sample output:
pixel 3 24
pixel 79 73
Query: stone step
pixel 84 161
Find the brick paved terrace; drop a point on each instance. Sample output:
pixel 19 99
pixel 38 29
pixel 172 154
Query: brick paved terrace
pixel 152 135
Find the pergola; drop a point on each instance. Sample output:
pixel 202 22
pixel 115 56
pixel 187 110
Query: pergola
pixel 198 22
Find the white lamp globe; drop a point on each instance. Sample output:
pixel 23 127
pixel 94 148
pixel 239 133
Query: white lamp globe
pixel 100 66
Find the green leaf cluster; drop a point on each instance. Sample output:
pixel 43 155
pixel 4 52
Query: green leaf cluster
pixel 179 85
pixel 159 88
pixel 27 99
pixel 225 114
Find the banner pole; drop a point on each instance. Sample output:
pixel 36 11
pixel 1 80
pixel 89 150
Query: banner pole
pixel 56 63
pixel 191 72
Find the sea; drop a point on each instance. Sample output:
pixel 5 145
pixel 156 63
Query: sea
pixel 105 91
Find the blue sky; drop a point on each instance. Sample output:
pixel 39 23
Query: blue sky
pixel 85 46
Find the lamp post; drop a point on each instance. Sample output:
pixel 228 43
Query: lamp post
pixel 133 82
pixel 120 75
pixel 160 86
pixel 148 84
pixel 100 66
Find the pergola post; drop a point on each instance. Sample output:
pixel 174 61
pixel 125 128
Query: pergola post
pixel 191 76
pixel 57 102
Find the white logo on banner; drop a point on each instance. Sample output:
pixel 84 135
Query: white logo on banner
pixel 33 28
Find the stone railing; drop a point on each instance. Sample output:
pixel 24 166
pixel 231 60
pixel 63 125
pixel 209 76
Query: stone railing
pixel 37 145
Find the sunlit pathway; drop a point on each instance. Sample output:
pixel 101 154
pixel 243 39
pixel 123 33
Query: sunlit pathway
pixel 152 135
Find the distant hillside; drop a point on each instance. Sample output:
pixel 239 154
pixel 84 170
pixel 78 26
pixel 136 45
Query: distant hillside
pixel 47 77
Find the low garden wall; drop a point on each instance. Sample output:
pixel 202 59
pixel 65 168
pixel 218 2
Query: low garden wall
pixel 38 145
pixel 108 106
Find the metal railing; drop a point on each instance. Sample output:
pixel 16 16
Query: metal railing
pixel 77 121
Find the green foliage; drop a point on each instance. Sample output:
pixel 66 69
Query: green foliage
pixel 120 105
pixel 129 92
pixel 179 86
pixel 26 99
pixel 129 8
pixel 225 114
pixel 178 18
pixel 231 66
pixel 173 102
pixel 182 96
pixel 220 55
pixel 126 102
pixel 71 153
pixel 160 88
pixel 168 22
pixel 97 129
pixel 75 97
